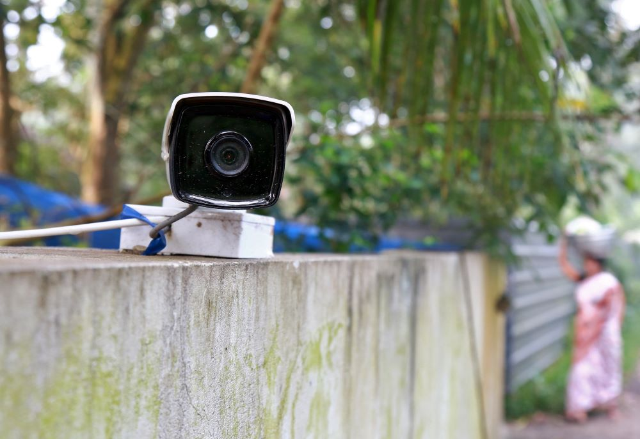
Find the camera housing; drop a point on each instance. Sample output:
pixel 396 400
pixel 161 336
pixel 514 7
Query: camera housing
pixel 227 150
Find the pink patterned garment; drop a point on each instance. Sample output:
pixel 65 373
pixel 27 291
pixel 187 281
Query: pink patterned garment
pixel 596 373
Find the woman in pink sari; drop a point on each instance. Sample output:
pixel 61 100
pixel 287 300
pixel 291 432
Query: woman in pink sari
pixel 595 380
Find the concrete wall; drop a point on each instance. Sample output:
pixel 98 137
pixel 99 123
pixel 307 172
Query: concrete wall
pixel 96 344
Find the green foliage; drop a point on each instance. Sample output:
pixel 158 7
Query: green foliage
pixel 545 393
pixel 356 191
pixel 487 158
pixel 358 186
pixel 596 39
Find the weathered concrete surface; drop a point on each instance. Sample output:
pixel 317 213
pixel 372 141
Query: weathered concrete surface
pixel 95 344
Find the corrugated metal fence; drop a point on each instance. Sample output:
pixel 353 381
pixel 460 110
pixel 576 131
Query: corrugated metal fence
pixel 542 306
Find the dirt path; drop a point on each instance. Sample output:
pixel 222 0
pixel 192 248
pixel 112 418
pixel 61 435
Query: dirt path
pixel 598 427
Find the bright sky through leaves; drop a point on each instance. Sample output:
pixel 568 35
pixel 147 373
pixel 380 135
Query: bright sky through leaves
pixel 45 58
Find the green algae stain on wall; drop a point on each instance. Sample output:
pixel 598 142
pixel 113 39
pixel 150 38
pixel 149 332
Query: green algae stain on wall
pixel 317 426
pixel 388 433
pixel 83 396
pixel 272 360
pixel 69 392
pixel 304 365
pixel 273 421
pixel 237 370
pixel 318 351
pixel 106 395
pixel 143 383
pixel 278 401
pixel 17 386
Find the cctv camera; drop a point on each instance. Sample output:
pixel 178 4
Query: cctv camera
pixel 227 150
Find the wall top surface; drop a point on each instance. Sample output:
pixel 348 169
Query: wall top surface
pixel 20 259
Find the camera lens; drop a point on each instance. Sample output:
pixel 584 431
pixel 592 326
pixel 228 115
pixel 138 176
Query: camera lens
pixel 228 153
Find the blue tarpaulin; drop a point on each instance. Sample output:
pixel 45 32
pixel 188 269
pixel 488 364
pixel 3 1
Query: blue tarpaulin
pixel 27 205
pixel 291 236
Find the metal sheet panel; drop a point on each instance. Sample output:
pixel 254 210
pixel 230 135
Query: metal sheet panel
pixel 542 306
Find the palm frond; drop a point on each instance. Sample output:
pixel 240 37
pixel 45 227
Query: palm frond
pixel 471 57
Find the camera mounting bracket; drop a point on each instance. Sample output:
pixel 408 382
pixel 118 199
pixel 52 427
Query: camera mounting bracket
pixel 205 232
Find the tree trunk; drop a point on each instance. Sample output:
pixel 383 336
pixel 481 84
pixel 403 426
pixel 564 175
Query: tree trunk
pixel 262 46
pixel 8 133
pixel 117 54
pixel 100 180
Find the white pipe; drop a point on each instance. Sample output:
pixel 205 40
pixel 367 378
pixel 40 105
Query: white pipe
pixel 77 229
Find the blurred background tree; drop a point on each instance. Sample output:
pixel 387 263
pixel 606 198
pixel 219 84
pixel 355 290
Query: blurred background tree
pixel 8 135
pixel 486 111
pixel 121 28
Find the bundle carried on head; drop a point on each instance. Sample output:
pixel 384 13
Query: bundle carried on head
pixel 590 237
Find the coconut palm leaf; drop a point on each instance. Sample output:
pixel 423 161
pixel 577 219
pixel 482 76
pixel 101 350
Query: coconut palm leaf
pixel 486 65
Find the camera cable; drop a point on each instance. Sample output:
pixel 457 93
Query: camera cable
pixel 130 218
pixel 166 223
pixel 70 230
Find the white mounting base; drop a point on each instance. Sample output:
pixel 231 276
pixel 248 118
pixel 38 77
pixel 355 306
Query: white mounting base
pixel 206 232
